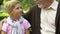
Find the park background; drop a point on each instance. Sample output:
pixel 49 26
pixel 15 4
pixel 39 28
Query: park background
pixel 26 4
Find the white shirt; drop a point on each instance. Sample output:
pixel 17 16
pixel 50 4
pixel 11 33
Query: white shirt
pixel 48 19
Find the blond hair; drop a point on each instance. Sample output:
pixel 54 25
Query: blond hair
pixel 11 4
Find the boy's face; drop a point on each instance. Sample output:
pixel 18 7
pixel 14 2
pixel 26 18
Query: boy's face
pixel 17 11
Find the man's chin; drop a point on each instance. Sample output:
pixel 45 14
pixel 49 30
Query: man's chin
pixel 40 5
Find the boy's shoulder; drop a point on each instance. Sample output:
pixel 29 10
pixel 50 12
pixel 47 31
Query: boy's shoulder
pixel 23 20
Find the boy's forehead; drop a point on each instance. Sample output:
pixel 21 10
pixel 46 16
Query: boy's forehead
pixel 18 5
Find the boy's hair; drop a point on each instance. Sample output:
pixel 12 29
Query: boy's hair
pixel 11 4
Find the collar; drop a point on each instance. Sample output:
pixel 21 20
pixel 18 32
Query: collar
pixel 21 19
pixel 13 20
pixel 54 5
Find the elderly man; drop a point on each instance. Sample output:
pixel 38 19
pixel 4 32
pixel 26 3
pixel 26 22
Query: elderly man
pixel 44 17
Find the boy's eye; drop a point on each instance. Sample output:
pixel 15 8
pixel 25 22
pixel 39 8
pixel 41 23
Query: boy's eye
pixel 19 8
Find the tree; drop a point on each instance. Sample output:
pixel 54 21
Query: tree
pixel 26 4
pixel 1 2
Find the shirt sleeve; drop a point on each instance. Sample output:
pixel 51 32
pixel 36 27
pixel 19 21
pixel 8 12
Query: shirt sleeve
pixel 4 27
pixel 26 24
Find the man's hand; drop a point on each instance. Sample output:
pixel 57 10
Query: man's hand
pixel 1 23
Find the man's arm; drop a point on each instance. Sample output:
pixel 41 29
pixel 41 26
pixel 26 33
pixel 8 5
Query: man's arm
pixel 28 15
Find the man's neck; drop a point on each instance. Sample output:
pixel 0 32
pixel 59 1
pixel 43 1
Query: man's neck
pixel 48 3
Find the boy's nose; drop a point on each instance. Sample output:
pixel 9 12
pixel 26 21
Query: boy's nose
pixel 20 9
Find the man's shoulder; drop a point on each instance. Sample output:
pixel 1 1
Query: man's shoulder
pixel 34 6
pixel 59 5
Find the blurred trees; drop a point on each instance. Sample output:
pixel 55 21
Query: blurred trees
pixel 26 4
pixel 1 2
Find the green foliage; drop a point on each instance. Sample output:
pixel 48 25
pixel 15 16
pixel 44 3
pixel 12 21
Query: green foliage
pixel 1 2
pixel 5 1
pixel 58 0
pixel 26 4
pixel 3 15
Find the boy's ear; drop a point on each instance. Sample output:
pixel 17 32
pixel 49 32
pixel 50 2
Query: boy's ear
pixel 9 11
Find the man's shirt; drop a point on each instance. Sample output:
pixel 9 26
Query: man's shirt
pixel 48 19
